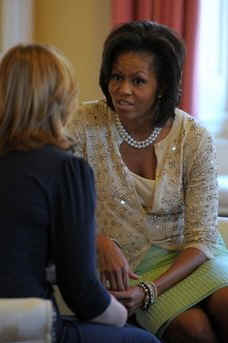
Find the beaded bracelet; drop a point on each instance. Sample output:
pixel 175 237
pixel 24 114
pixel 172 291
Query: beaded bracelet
pixel 146 303
pixel 116 242
pixel 153 291
pixel 152 284
pixel 151 294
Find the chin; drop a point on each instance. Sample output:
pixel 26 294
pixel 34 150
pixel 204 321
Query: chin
pixel 129 115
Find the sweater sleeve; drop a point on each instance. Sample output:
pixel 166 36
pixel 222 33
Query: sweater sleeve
pixel 201 194
pixel 75 241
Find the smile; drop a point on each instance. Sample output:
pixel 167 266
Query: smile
pixel 124 103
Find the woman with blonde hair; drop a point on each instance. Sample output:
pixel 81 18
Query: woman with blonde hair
pixel 47 199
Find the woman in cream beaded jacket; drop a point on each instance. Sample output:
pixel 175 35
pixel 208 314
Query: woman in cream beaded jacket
pixel 159 250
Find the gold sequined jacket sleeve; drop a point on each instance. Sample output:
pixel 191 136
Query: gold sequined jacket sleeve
pixel 200 190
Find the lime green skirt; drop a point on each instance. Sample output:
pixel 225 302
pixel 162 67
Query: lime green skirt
pixel 204 281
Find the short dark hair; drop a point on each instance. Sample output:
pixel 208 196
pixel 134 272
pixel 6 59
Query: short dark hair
pixel 168 51
pixel 37 95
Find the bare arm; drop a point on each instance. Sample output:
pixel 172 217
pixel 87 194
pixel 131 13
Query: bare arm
pixel 188 260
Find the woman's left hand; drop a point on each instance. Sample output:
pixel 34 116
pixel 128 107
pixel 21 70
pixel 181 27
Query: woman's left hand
pixel 132 298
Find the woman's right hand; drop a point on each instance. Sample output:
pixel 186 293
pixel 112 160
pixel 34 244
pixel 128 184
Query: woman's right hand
pixel 114 269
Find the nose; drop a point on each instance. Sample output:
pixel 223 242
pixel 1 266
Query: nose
pixel 125 87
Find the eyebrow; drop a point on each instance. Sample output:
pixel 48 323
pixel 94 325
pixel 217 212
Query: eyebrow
pixel 134 73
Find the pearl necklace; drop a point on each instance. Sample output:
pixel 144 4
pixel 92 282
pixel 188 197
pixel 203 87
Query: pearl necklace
pixel 131 141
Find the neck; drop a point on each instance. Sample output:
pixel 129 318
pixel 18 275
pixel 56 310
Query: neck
pixel 137 127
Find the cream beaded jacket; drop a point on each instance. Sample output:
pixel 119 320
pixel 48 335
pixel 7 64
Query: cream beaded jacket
pixel 183 209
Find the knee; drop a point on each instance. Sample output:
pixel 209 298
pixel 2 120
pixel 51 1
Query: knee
pixel 191 326
pixel 198 331
pixel 218 304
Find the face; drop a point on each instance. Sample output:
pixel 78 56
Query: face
pixel 133 85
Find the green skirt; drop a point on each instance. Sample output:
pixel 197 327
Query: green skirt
pixel 204 281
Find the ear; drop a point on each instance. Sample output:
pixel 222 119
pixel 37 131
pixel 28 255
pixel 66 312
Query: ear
pixel 161 91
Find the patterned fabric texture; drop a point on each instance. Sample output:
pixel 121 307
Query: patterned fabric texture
pixel 27 320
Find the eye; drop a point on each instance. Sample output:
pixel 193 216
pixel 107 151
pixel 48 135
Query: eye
pixel 138 81
pixel 116 77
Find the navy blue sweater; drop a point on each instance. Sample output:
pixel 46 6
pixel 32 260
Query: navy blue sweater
pixel 43 191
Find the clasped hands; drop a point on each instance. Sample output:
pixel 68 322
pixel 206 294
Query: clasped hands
pixel 115 273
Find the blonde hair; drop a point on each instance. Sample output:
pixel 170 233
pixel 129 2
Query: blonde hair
pixel 37 96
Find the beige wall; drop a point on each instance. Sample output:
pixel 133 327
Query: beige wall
pixel 78 28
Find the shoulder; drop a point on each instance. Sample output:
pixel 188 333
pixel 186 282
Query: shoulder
pixel 191 127
pixel 198 143
pixel 56 157
pixel 91 113
pixel 94 106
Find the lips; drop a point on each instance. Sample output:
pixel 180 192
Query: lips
pixel 124 104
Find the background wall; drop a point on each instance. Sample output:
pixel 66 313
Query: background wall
pixel 16 22
pixel 78 28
